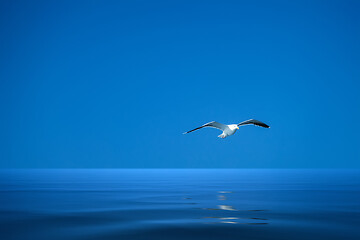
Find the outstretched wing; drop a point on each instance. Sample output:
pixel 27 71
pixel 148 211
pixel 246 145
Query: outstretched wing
pixel 212 124
pixel 255 122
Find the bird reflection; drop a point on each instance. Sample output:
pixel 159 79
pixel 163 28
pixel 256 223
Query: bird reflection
pixel 227 207
pixel 223 196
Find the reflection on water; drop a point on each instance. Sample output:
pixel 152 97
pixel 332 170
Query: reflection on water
pixel 224 192
pixel 231 219
pixel 222 197
pixel 227 207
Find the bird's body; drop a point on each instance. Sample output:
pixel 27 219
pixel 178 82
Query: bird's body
pixel 228 130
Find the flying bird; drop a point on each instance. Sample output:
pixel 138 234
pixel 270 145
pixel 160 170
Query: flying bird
pixel 229 130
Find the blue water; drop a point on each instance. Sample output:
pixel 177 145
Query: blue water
pixel 179 204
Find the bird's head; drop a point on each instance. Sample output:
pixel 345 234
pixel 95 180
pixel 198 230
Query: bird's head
pixel 234 126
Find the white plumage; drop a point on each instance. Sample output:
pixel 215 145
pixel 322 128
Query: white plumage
pixel 228 130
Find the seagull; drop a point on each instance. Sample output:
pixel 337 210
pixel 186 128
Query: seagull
pixel 229 130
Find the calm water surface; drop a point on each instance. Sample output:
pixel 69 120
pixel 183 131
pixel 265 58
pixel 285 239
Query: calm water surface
pixel 179 204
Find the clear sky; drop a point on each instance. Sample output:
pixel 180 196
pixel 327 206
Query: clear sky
pixel 114 84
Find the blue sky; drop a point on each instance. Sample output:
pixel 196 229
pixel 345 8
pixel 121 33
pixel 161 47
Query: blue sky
pixel 113 84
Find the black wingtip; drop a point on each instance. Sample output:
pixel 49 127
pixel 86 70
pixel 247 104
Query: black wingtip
pixel 264 125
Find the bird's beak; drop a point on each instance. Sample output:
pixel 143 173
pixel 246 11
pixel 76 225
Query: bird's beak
pixel 237 127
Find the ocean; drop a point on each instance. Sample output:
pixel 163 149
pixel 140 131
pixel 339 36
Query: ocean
pixel 181 204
